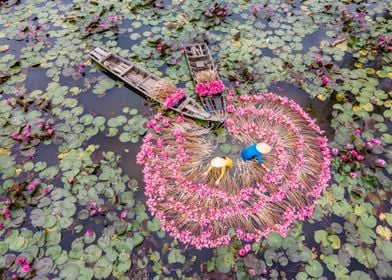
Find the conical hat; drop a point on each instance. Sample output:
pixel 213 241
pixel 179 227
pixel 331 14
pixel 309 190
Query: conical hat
pixel 263 148
pixel 218 162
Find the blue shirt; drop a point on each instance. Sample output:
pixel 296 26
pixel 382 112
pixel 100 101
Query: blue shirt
pixel 250 152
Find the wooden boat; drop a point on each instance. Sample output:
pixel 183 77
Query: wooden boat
pixel 199 59
pixel 144 81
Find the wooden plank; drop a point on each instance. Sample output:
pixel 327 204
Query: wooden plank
pixel 127 70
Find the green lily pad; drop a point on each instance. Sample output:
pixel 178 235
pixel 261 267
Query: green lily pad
pixel 102 268
pixel 274 240
pixel 175 256
pixel 70 272
pixel 314 269
pixel 224 262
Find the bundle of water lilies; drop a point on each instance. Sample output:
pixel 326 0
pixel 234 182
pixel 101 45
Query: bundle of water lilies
pixel 169 94
pixel 207 84
pixel 199 198
pixel 210 90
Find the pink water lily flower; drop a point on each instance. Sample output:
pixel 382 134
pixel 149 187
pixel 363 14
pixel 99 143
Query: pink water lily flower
pixel 25 268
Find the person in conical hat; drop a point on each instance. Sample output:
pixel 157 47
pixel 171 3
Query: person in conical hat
pixel 256 151
pixel 223 163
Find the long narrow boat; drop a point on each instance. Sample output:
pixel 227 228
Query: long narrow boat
pixel 144 81
pixel 199 59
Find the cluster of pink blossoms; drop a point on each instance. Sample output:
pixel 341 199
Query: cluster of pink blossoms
pixel 216 11
pixel 24 135
pixel 350 154
pixel 245 250
pixel 210 89
pixel 112 21
pixel 384 42
pixel 164 47
pixel 206 221
pixel 94 209
pixel 31 187
pixel 23 264
pixel 173 99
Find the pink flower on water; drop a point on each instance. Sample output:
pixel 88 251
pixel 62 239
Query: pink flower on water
pixel 360 157
pixel 81 67
pixel 344 158
pixel 176 59
pixel 335 151
pixel 324 80
pixel 89 232
pixel 123 215
pixel 31 187
pixel 25 268
pixel 71 180
pixel 376 142
pixel 353 175
pixel 236 83
pixel 93 212
pixel 256 9
pixel 349 146
pixel 113 19
pixel 247 247
pixel 20 261
pixel 251 272
pixel 381 162
pixel 242 252
pixel 357 131
pixel 353 153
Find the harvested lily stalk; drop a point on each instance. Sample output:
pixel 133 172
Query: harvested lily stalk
pixel 163 89
pixel 206 76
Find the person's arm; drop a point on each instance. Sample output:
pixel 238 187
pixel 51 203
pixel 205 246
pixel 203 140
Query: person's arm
pixel 259 157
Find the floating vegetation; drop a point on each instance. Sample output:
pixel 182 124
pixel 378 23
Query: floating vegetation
pixel 71 194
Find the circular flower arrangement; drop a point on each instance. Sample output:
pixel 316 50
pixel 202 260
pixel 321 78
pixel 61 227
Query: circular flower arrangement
pixel 253 199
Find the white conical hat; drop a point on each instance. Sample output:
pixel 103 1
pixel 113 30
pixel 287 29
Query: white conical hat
pixel 263 148
pixel 218 162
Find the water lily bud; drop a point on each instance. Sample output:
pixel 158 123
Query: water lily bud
pixel 123 215
pixel 357 131
pixel 381 162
